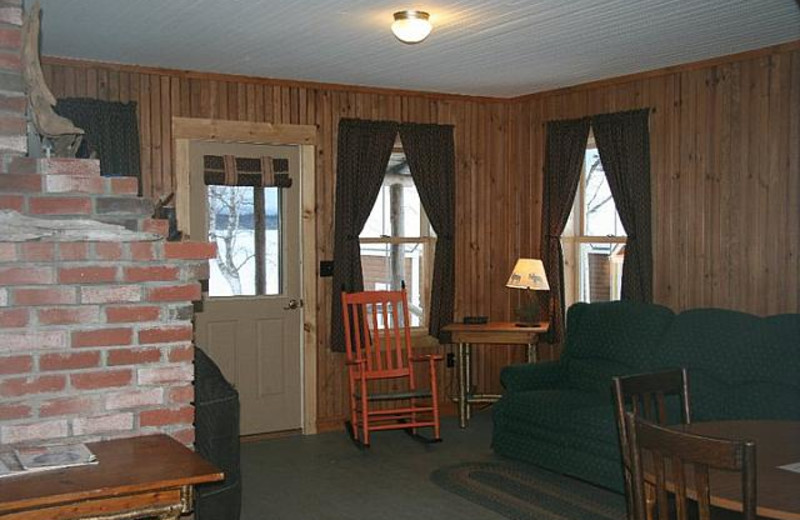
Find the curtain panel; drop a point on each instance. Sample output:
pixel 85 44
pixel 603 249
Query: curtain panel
pixel 564 150
pixel 430 151
pixel 112 132
pixel 363 151
pixel 623 141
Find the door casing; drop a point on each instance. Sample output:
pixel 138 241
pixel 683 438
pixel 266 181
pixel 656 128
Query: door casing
pixel 184 131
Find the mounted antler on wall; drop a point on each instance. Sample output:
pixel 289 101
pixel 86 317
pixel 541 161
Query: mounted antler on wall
pixel 49 129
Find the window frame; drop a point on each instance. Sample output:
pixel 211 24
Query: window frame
pixel 426 239
pixel 574 237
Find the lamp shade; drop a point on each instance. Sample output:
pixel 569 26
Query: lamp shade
pixel 411 26
pixel 528 274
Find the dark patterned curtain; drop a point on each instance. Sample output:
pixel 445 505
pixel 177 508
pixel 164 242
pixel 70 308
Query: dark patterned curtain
pixel 564 151
pixel 363 152
pixel 623 141
pixel 112 133
pixel 430 151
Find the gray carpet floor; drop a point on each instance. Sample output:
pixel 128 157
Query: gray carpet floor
pixel 326 477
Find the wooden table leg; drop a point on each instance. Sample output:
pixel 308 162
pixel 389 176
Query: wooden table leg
pixel 468 380
pixel 650 501
pixel 533 352
pixel 462 385
pixel 186 505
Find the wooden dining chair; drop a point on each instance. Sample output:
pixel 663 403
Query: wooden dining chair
pixel 671 452
pixel 381 367
pixel 646 395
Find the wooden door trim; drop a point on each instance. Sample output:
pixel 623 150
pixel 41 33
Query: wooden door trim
pixel 184 131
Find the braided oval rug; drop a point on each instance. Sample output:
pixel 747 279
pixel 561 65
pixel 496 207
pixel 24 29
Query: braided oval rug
pixel 522 492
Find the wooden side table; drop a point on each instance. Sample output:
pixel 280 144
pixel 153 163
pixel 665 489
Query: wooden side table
pixel 492 333
pixel 140 477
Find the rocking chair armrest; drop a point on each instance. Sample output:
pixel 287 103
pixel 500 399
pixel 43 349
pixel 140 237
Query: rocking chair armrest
pixel 426 357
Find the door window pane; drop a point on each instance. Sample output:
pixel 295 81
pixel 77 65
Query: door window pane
pixel 246 226
pixel 273 241
pixel 231 227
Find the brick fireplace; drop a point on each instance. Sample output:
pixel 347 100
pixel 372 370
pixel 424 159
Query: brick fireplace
pixel 95 323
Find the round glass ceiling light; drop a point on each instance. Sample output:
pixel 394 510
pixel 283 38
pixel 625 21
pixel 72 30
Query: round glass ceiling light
pixel 411 26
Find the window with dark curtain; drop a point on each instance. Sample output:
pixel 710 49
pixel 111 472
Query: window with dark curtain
pixel 112 134
pixel 623 143
pixel 364 148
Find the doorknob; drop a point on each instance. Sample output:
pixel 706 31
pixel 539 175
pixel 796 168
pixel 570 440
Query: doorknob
pixel 293 304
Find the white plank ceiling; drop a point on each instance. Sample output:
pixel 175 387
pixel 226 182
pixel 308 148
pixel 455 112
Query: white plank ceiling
pixel 499 48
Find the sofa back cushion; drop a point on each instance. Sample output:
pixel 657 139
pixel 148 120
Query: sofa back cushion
pixel 740 366
pixel 606 339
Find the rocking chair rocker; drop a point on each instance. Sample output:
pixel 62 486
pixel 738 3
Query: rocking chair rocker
pixel 383 390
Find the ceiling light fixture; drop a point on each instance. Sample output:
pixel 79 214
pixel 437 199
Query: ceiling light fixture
pixel 411 26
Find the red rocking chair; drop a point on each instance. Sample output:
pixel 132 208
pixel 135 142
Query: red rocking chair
pixel 383 390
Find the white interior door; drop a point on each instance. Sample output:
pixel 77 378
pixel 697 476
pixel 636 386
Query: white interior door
pixel 250 323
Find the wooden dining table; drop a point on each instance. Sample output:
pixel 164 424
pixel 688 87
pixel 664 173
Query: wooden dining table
pixel 777 444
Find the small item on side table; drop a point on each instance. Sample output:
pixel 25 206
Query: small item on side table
pixel 475 320
pixel 55 457
pixel 27 460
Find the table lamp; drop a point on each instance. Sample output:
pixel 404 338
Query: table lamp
pixel 528 274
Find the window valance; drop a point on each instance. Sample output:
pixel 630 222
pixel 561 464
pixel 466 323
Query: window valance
pixel 228 170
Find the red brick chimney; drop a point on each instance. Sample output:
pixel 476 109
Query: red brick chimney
pixel 95 325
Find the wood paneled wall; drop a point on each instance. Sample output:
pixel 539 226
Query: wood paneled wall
pixel 725 168
pixel 725 174
pixel 484 182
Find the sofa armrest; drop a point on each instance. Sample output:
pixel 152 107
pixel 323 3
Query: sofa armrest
pixel 519 378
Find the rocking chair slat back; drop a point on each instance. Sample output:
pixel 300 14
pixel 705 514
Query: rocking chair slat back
pixel 383 341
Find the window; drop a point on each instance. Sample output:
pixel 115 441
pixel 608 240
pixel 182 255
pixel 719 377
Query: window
pixel 397 242
pixel 244 222
pixel 594 239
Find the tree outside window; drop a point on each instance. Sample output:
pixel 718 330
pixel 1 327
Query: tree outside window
pixel 397 242
pixel 594 239
pixel 244 222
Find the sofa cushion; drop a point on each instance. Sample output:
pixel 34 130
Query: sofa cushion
pixel 523 377
pixel 537 422
pixel 611 338
pixel 740 366
pixel 552 408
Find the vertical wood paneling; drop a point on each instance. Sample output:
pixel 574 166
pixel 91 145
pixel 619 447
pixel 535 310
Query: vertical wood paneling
pixel 144 106
pixel 157 178
pixel 792 232
pixel 725 177
pixel 124 87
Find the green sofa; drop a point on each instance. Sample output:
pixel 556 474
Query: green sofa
pixel 559 415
